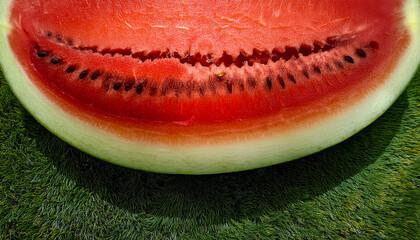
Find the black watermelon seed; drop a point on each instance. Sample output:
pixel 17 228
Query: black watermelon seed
pixel 49 34
pixel 153 90
pixel 348 59
pixel 339 64
pixel 328 66
pixel 55 60
pixel 42 54
pixel 139 88
pixel 189 85
pixel 241 86
pixel 269 83
pixel 229 86
pixel 128 85
pixel 202 90
pixel 71 68
pixel 306 74
pixel 106 83
pixel 361 53
pixel 59 39
pixel 117 86
pixel 317 69
pixel 374 45
pixel 95 75
pixel 251 82
pixel 83 74
pixel 281 80
pixel 292 78
pixel 212 86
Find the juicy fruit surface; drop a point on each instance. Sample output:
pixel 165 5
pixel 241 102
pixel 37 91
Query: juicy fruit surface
pixel 201 62
pixel 201 87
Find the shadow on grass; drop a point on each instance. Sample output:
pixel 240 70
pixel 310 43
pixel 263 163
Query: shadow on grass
pixel 215 199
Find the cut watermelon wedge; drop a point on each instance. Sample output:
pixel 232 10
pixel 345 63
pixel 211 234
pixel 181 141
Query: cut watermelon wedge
pixel 199 87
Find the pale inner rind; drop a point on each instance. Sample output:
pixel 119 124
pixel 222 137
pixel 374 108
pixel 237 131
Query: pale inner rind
pixel 211 158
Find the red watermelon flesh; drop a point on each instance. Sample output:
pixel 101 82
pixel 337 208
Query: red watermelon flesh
pixel 205 74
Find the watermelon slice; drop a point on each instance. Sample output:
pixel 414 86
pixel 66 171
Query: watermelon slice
pixel 207 87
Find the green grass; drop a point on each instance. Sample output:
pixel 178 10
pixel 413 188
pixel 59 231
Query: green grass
pixel 364 188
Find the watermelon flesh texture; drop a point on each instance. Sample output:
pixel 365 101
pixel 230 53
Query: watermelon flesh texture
pixel 240 93
pixel 206 88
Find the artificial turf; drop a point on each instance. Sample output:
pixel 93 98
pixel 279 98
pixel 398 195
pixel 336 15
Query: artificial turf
pixel 364 188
